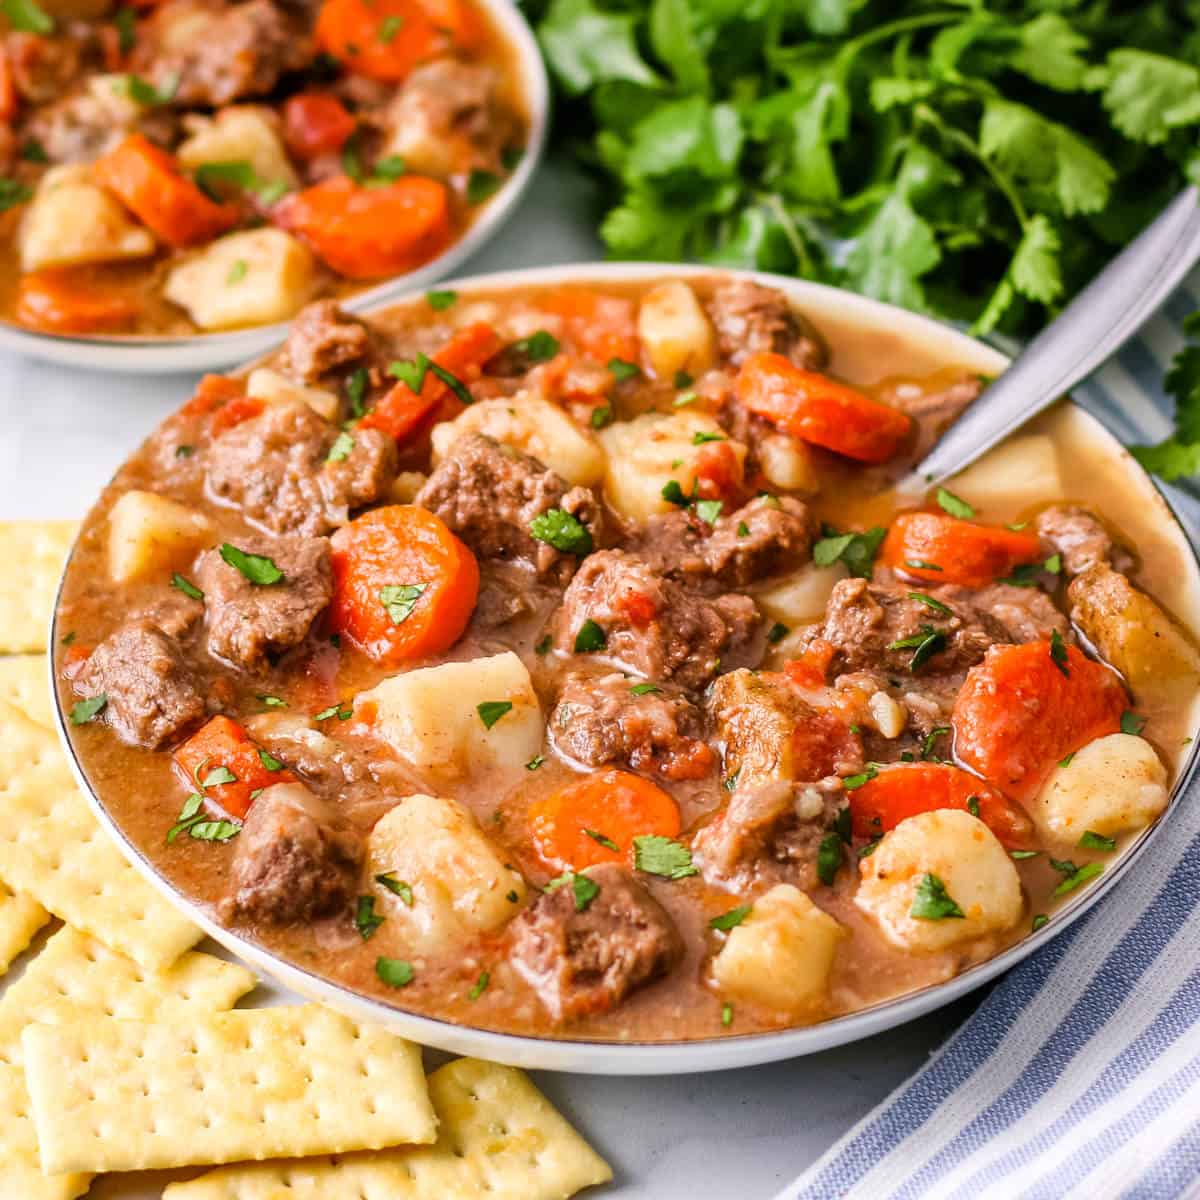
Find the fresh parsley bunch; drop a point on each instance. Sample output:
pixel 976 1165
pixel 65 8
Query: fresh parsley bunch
pixel 979 161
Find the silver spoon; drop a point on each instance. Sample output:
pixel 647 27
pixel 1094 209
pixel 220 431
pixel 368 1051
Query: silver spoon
pixel 1093 327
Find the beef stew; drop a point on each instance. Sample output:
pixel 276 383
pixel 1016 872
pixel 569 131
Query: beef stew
pixel 560 661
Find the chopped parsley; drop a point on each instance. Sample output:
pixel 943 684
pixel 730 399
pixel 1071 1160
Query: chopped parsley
pixel 973 805
pixel 396 886
pixel 33 151
pixel 683 379
pixel 1066 762
pixel 700 437
pixel 851 782
pixel 366 919
pixel 830 857
pixel 919 564
pixel 583 889
pixel 924 644
pixel 544 645
pixel 439 301
pixel 126 23
pixel 399 599
pixel 490 711
pixel 26 16
pixel 1092 840
pixel 777 632
pixel 1039 921
pixel 644 689
pixel 731 781
pixel 481 186
pixel 257 568
pixel 732 918
pixel 269 760
pixel 930 603
pixel 88 710
pixel 683 399
pixel 389 27
pixel 1132 723
pixel 743 530
pixel 931 901
pixel 189 815
pixel 356 390
pixel 954 505
pixel 340 450
pixel 590 637
pixel 395 972
pixel 186 586
pixel 535 762
pixel 387 169
pixel 214 831
pixel 1058 653
pixel 726 1015
pixel 673 493
pixel 184 451
pixel 1021 855
pixel 342 712
pixel 412 373
pixel 1078 877
pixel 606 842
pixel 480 986
pixel 709 510
pixel 237 272
pixel 601 416
pixel 856 551
pixel 1053 564
pixel 562 530
pixel 622 370
pixel 13 193
pixel 657 855
pixel 537 347
pixel 930 741
pixel 271 701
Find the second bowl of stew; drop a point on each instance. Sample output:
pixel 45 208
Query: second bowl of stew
pixel 547 667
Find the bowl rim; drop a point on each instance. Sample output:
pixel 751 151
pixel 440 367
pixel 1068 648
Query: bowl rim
pixel 728 1051
pixel 221 348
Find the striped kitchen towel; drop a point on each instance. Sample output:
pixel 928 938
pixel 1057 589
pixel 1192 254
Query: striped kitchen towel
pixel 1078 1078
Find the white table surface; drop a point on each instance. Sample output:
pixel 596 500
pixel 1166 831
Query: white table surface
pixel 737 1135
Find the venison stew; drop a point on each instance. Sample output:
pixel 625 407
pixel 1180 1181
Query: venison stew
pixel 560 660
pixel 195 166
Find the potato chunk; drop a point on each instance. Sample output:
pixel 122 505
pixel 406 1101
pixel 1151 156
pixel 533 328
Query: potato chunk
pixel 241 134
pixel 148 533
pixel 781 955
pixel 675 332
pixel 788 463
pixel 1021 472
pixel 755 716
pixel 71 221
pixel 646 453
pixel 962 854
pixel 274 388
pixel 247 278
pixel 1113 785
pixel 801 597
pixel 431 716
pixel 533 425
pixel 459 883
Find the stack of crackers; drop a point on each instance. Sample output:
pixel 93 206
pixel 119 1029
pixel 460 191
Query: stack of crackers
pixel 120 1046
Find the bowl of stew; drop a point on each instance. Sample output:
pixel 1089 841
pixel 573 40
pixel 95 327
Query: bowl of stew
pixel 553 673
pixel 177 182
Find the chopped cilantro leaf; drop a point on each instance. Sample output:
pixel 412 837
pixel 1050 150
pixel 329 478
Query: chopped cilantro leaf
pixel 490 711
pixel 1132 723
pixel 439 301
pixel 709 510
pixel 480 986
pixel 590 637
pixel 931 901
pixel 599 838
pixel 269 760
pixel 855 550
pixel 728 920
pixel 830 856
pixel 562 530
pixel 622 370
pixel 537 347
pixel 644 689
pixel 186 586
pixel 1079 877
pixel 700 437
pixel 395 972
pixel 954 505
pixel 26 16
pixel 396 886
pixel 259 570
pixel 1039 921
pixel 340 450
pixel 663 856
pixel 727 1014
pixel 399 599
pixel 366 919
pixel 1058 652
pixel 88 710
pixel 1097 841
pixel 930 603
pixel 1020 855
pixel 482 185
pixel 535 762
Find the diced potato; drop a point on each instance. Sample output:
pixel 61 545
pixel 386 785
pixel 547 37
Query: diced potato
pixel 534 425
pixel 788 463
pixel 243 133
pixel 247 278
pixel 72 221
pixel 675 331
pixel 755 717
pixel 801 597
pixel 781 955
pixel 888 715
pixel 1134 634
pixel 960 851
pixel 406 485
pixel 148 533
pixel 1113 785
pixel 111 93
pixel 460 883
pixel 1018 473
pixel 430 716
pixel 646 453
pixel 274 388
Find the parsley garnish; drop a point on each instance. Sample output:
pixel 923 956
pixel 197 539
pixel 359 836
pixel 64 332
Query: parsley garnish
pixel 830 857
pixel 260 571
pixel 644 689
pixel 396 886
pixel 544 645
pixel 606 842
pixel 412 374
pixel 924 644
pixel 1132 723
pixel 1092 840
pixel 583 889
pixel 562 530
pixel 343 713
pixel 855 550
pixel 490 711
pixel 395 972
pixel 700 437
pixel 929 602
pixel 271 701
pixel 622 370
pixel 33 151
pixel 1066 762
pixel 480 986
pixel 389 27
pixel 366 919
pixel 709 510
pixel 537 347
pixel 732 918
pixel 125 21
pixel 146 94
pixel 852 782
pixel 777 632
pixel 973 805
pixel 1020 855
pixel 590 637
pixel 13 193
pixel 399 599
pixel 440 301
pixel 931 901
pixel 186 586
pixel 26 16
pixel 1078 877
pixel 481 186
pixel 1058 652
pixel 1039 921
pixel 954 505
pixel 237 272
pixel 214 831
pixel 931 740
pixel 356 390
pixel 663 856
pixel 743 530
pixel 269 760
pixel 601 416
pixel 88 710
pixel 340 450
pixel 727 1015
pixel 535 762
pixel 919 564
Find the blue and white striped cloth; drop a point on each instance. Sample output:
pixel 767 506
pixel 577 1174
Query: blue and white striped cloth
pixel 1078 1078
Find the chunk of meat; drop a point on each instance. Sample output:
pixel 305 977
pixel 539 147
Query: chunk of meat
pixel 292 861
pixel 323 338
pixel 1018 614
pixel 489 494
pixel 1079 537
pixel 601 719
pixel 151 693
pixel 750 318
pixel 216 53
pixel 588 962
pixel 651 624
pixel 935 411
pixel 445 120
pixel 176 615
pixel 42 67
pixel 760 539
pixel 81 126
pixel 247 622
pixel 275 467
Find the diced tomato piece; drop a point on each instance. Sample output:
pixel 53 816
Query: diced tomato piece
pixel 316 123
pixel 718 472
pixel 810 669
pixel 639 608
pixel 821 742
pixel 239 409
pixel 1020 712
pixel 944 549
pixel 224 746
pixel 211 392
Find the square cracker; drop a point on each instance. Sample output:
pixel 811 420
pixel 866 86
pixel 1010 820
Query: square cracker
pixel 499 1139
pixel 38 549
pixel 75 975
pixel 113 1095
pixel 21 917
pixel 25 684
pixel 20 1176
pixel 53 848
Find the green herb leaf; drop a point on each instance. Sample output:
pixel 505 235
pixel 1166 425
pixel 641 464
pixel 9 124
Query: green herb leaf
pixel 829 858
pixel 954 505
pixel 410 372
pixel 399 599
pixel 562 530
pixel 396 886
pixel 709 510
pixel 673 493
pixel 1066 762
pixel 490 711
pixel 606 842
pixel 662 856
pixel 340 450
pixel 269 760
pixel 623 370
pixel 1039 921
pixel 583 890
pixel 856 550
pixel 218 776
pixel 13 193
pixel 930 603
pixel 126 22
pixel 732 918
pixel 777 632
pixel 33 151
pixel 366 919
pixel 26 16
pixel 919 564
pixel 190 814
pixel 1097 841
pixel 591 637
pixel 1079 877
pixel 389 27
pixel 973 805
pixel 481 186
pixel 440 301
pixel 853 782
pixel 180 584
pixel 237 272
pixel 1020 855
pixel 260 571
pixel 601 416
pixel 700 437
pixel 140 91
pixel 727 1014
pixel 480 986
pixel 214 831
pixel 88 710
pixel 535 762
pixel 537 347
pixel 931 901
pixel 395 972
pixel 356 391
pixel 644 689
pixel 1058 652
pixel 271 701
pixel 1132 723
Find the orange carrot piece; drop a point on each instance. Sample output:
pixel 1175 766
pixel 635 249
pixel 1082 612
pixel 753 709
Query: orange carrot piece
pixel 404 414
pixel 316 123
pixel 239 409
pixel 223 743
pixel 810 669
pixel 598 326
pixel 1020 712
pixel 211 392
pixel 62 301
pixel 370 232
pixel 903 790
pixel 149 182
pixel 405 548
pixel 821 410
pixel 820 742
pixel 943 549
pixel 9 100
pixel 570 829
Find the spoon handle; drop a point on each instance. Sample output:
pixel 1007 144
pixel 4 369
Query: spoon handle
pixel 1088 331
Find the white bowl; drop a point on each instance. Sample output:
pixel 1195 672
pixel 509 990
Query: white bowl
pixel 824 305
pixel 209 351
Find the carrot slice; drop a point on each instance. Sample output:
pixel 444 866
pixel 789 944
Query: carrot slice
pixel 1022 710
pixel 148 181
pixel 211 392
pixel 403 413
pixel 599 326
pixel 217 750
pixel 9 100
pixel 403 585
pixel 809 670
pixel 903 790
pixel 579 826
pixel 239 409
pixel 315 123
pixel 61 301
pixel 370 233
pixel 818 409
pixel 943 549
pixel 386 39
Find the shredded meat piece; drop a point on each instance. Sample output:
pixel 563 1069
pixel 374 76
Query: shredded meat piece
pixel 750 318
pixel 322 338
pixel 1079 537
